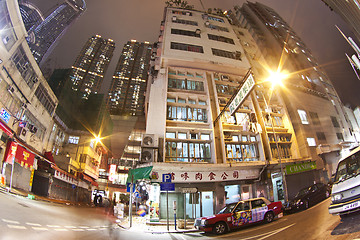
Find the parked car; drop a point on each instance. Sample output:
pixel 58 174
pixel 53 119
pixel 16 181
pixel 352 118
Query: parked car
pixel 240 213
pixel 307 197
pixel 345 194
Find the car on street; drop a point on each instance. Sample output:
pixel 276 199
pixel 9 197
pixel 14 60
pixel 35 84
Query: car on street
pixel 237 214
pixel 345 194
pixel 307 197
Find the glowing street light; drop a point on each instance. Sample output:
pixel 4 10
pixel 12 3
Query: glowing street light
pixel 276 79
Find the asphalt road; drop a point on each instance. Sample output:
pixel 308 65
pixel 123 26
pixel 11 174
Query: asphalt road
pixel 22 218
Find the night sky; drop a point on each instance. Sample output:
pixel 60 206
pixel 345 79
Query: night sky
pixel 123 20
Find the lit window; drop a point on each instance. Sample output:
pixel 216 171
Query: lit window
pixel 170 135
pixel 303 116
pixel 205 136
pixel 311 142
pixel 182 135
pixel 235 138
pixel 74 140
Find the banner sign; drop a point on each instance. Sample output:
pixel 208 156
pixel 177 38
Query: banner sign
pixel 20 154
pixel 302 167
pixel 207 176
pixel 5 115
pixel 242 94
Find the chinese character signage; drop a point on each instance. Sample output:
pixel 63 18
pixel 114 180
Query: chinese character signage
pixel 65 177
pixel 242 94
pixel 112 172
pixel 5 115
pixel 208 176
pixel 20 154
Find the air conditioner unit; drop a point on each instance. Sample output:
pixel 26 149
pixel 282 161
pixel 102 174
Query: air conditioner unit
pixel 150 141
pixel 225 78
pixel 174 18
pixel 148 155
pixel 207 23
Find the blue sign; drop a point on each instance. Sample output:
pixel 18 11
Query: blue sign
pixel 167 186
pixel 5 115
pixel 166 178
pixel 128 187
pixel 137 194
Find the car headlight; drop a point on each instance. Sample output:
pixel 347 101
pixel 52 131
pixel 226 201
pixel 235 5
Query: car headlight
pixel 336 197
pixel 204 222
pixel 298 202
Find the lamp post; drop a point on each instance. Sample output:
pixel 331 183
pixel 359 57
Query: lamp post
pixel 275 78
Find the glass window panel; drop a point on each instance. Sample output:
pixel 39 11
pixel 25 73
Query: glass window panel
pixel 185 150
pixel 207 151
pixel 191 150
pixel 179 149
pixel 170 135
pixel 238 152
pixel 183 113
pixel 233 148
pixel 205 136
pixel 235 138
pixel 179 117
pixel 190 116
pixel 229 151
pixel 171 100
pixel 173 149
pixel 180 100
pixel 202 102
pixel 201 150
pixel 197 150
pixel 182 135
pixel 244 138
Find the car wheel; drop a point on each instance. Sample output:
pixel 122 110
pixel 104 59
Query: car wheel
pixel 269 217
pixel 219 228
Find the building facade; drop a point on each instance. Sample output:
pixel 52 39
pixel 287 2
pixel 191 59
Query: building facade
pixel 349 11
pixel 201 61
pixel 42 38
pixel 91 65
pixel 126 93
pixel 27 103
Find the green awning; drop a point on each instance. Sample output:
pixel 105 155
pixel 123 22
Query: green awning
pixel 139 173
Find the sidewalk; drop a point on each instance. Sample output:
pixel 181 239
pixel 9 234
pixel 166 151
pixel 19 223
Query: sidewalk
pixel 138 223
pixel 143 224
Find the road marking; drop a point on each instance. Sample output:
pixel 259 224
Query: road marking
pixel 91 229
pixel 16 226
pixel 70 226
pixel 53 226
pixel 60 229
pixel 268 234
pixel 83 227
pixel 10 221
pixel 33 224
pixel 40 228
pixel 78 230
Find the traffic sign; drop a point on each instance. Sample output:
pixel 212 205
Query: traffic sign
pixel 166 178
pixel 167 186
pixel 189 190
pixel 128 187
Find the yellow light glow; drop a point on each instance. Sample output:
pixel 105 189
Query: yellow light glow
pixel 276 77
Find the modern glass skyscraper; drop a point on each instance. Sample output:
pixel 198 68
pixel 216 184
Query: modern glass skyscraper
pixel 90 66
pixel 126 93
pixel 43 37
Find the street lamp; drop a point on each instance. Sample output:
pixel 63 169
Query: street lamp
pixel 276 79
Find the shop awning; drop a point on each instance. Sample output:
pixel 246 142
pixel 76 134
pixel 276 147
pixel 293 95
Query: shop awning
pixel 6 129
pixel 139 173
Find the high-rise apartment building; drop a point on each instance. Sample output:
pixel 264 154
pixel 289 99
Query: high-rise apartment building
pixel 127 89
pixel 90 66
pixel 43 37
pixel 31 15
pixel 349 12
pixel 203 62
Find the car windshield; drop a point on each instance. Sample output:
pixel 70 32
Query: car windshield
pixel 348 168
pixel 303 191
pixel 228 208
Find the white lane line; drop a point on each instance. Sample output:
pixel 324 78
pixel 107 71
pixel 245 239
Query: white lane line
pixel 61 229
pixel 70 227
pixel 83 227
pixel 53 226
pixel 91 229
pixel 78 230
pixel 40 228
pixel 10 221
pixel 268 234
pixel 16 226
pixel 33 224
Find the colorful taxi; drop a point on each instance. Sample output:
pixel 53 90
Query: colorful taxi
pixel 240 213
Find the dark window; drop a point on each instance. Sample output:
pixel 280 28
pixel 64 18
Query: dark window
pixel 186 47
pixel 224 29
pixel 314 118
pixel 220 38
pixel 182 21
pixel 227 54
pixel 320 136
pixel 340 136
pixel 257 203
pixel 334 121
pixel 182 12
pixel 184 32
